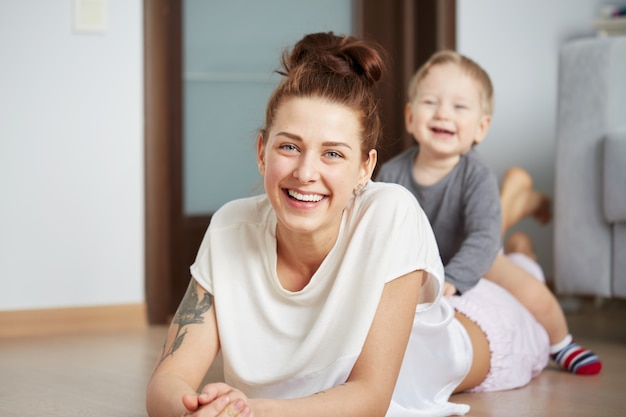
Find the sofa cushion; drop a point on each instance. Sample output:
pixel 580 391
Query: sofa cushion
pixel 614 177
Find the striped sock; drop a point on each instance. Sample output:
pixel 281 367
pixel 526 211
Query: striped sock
pixel 575 359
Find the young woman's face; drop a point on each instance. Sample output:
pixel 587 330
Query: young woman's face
pixel 446 116
pixel 311 162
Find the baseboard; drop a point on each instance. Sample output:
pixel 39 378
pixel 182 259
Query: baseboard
pixel 20 323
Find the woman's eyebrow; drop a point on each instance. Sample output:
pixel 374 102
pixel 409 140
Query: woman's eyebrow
pixel 327 143
pixel 337 145
pixel 290 136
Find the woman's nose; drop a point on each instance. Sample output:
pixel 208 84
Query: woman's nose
pixel 307 169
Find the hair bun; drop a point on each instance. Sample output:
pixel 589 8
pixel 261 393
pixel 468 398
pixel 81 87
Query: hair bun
pixel 345 56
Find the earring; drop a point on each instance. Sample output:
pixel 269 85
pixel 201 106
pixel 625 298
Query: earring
pixel 357 190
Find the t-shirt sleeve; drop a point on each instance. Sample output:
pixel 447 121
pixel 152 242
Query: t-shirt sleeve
pixel 408 243
pixel 482 232
pixel 200 269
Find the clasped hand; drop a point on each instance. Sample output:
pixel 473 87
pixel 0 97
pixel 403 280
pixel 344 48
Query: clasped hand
pixel 217 400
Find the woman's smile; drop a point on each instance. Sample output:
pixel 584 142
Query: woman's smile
pixel 304 197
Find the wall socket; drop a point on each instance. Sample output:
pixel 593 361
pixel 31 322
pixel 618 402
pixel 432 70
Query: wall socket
pixel 90 16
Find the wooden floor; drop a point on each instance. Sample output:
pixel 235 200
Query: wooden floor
pixel 104 374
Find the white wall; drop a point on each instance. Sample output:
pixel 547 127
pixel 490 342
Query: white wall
pixel 71 157
pixel 71 137
pixel 517 42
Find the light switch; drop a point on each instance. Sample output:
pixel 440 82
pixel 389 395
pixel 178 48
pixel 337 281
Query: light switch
pixel 90 16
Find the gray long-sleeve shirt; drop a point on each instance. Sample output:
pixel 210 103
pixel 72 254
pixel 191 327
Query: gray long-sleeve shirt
pixel 464 212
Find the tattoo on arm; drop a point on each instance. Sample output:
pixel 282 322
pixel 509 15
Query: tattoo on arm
pixel 190 311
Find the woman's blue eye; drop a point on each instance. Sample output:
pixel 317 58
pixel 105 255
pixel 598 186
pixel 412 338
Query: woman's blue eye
pixel 333 154
pixel 288 147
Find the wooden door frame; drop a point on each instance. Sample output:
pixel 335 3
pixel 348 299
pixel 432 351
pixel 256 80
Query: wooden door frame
pixel 163 130
pixel 409 30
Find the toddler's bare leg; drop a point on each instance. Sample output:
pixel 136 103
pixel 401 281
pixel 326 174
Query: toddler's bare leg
pixel 533 294
pixel 519 199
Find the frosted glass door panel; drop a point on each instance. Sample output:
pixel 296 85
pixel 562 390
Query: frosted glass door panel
pixel 231 49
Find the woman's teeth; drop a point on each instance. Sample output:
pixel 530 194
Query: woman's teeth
pixel 305 197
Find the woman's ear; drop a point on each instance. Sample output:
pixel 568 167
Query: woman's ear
pixel 260 154
pixel 368 166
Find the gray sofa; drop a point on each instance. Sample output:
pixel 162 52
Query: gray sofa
pixel 590 177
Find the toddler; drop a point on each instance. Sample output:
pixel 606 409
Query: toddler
pixel 449 112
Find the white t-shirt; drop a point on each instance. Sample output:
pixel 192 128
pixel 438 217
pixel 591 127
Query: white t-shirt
pixel 281 344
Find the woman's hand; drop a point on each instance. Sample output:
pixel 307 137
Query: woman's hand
pixel 217 400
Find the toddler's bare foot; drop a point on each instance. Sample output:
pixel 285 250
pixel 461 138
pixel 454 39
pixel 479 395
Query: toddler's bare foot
pixel 543 210
pixel 519 199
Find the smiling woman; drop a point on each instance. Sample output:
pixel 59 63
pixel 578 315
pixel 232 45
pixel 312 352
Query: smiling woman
pixel 281 274
pixel 311 162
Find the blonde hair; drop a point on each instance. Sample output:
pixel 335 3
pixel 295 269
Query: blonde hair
pixel 468 66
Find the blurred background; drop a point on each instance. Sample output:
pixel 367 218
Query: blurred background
pixel 77 123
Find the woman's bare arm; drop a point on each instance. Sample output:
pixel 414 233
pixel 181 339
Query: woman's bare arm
pixel 191 346
pixel 370 386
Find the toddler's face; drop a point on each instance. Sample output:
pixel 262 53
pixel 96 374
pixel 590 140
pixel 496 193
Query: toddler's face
pixel 446 116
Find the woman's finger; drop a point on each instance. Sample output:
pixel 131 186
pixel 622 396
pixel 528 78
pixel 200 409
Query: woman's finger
pixel 190 401
pixel 212 391
pixel 237 408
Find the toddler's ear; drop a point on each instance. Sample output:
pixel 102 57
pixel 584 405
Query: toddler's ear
pixel 408 116
pixel 483 128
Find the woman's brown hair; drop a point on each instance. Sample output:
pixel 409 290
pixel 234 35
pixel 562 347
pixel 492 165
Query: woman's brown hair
pixel 340 69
